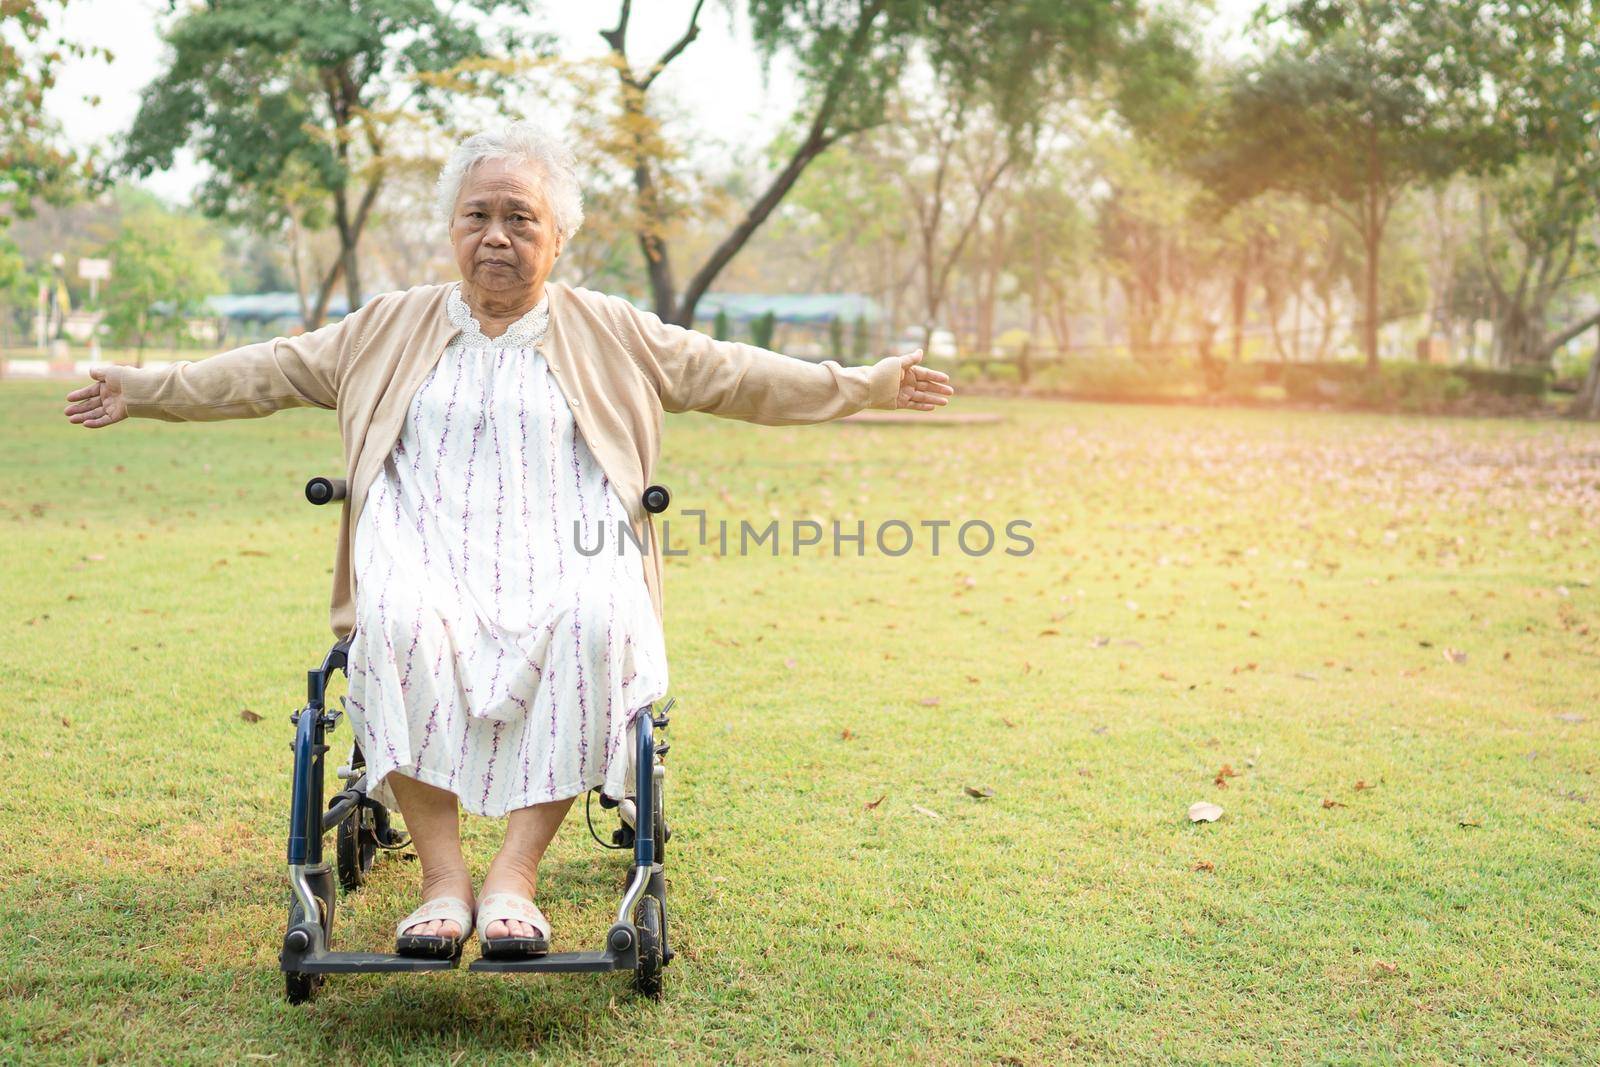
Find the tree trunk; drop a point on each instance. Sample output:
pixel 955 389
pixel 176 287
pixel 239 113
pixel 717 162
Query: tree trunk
pixel 1586 405
pixel 1241 292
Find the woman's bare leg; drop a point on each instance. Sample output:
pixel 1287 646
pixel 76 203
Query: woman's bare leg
pixel 515 869
pixel 434 824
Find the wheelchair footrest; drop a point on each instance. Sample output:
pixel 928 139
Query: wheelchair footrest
pixel 352 962
pixel 554 961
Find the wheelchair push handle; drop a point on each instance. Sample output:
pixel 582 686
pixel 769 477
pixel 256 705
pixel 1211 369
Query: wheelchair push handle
pixel 320 490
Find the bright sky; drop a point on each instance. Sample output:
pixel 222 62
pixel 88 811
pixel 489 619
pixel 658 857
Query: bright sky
pixel 734 102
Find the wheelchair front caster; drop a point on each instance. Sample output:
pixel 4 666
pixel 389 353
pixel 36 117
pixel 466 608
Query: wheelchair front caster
pixel 298 986
pixel 355 846
pixel 647 974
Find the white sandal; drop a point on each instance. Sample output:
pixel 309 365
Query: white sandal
pixel 507 907
pixel 435 946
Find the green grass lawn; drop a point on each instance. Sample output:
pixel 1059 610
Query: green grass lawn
pixel 1387 628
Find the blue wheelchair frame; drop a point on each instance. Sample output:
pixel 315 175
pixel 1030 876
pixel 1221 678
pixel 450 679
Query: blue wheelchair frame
pixel 636 941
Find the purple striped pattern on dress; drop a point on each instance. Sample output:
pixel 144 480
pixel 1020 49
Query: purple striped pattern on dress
pixel 490 658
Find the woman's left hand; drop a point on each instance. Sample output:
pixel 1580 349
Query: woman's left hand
pixel 921 387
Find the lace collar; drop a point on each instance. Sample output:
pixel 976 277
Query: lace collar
pixel 526 332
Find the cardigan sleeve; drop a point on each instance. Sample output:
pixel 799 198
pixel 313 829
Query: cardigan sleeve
pixel 250 381
pixel 692 371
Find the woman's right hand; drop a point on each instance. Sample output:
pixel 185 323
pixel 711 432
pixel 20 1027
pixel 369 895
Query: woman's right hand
pixel 99 403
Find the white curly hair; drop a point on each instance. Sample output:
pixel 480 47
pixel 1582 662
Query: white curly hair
pixel 526 142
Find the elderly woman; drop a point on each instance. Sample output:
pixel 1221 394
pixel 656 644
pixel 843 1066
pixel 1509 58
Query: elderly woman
pixel 493 665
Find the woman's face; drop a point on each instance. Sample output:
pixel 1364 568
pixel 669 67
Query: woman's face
pixel 504 234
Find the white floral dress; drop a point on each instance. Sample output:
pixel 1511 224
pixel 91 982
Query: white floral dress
pixel 497 653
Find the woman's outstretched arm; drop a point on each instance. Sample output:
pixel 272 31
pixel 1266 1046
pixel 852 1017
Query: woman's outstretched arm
pixel 243 383
pixel 692 371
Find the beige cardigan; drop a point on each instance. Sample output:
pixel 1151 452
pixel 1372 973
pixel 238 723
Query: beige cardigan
pixel 618 367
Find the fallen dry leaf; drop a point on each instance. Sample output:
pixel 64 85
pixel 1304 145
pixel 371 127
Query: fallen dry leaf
pixel 1455 655
pixel 874 803
pixel 982 793
pixel 930 813
pixel 1363 784
pixel 1329 802
pixel 1567 716
pixel 248 716
pixel 845 734
pixel 1385 967
pixel 930 702
pixel 1008 722
pixel 1204 811
pixel 1205 865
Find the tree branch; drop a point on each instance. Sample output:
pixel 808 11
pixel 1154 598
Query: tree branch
pixel 818 138
pixel 683 42
pixel 617 37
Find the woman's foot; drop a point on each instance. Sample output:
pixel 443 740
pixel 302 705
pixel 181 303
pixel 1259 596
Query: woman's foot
pixel 521 887
pixel 515 868
pixel 438 927
pixel 450 916
pixel 457 885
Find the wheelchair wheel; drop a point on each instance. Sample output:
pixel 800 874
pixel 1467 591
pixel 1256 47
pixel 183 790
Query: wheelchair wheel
pixel 647 975
pixel 355 846
pixel 298 986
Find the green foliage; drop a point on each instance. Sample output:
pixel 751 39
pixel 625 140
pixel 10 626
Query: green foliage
pixel 719 325
pixel 762 328
pixel 1542 152
pixel 1014 58
pixel 294 105
pixel 17 285
pixel 1362 100
pixel 33 162
pixel 860 339
pixel 836 339
pixel 1409 386
pixel 163 266
pixel 269 92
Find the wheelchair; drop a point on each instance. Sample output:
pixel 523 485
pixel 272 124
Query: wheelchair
pixel 362 828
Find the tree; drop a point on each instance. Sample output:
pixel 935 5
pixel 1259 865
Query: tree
pixel 163 267
pixel 16 285
pixel 762 327
pixel 1051 239
pixel 950 155
pixel 1537 222
pixel 1147 241
pixel 849 216
pixel 850 55
pixel 297 106
pixel 32 160
pixel 1367 99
